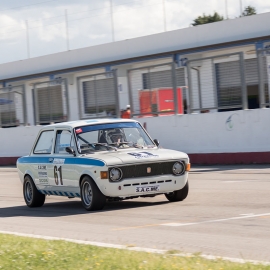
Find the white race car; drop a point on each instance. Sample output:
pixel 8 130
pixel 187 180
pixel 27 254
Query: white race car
pixel 99 160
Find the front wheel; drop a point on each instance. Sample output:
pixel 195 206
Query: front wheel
pixel 178 195
pixel 92 198
pixel 32 197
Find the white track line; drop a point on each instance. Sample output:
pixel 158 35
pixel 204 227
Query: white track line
pixel 150 250
pixel 215 220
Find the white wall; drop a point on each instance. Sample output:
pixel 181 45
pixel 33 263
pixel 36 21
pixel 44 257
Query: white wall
pixel 248 131
pixel 17 141
pixel 209 132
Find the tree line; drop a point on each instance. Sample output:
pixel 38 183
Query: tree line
pixel 248 11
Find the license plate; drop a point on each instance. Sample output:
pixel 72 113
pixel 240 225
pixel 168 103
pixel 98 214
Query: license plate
pixel 147 188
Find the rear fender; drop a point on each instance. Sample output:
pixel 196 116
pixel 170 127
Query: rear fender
pixel 31 175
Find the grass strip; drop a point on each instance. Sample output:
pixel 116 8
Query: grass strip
pixel 28 253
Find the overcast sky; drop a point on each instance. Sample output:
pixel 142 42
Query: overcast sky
pixel 89 21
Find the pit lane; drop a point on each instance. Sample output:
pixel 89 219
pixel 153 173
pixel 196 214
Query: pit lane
pixel 227 213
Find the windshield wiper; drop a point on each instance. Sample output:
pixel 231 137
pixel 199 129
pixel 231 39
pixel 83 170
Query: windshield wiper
pixel 133 144
pixel 104 144
pixel 151 146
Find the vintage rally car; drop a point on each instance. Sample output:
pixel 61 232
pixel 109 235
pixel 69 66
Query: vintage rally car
pixel 99 160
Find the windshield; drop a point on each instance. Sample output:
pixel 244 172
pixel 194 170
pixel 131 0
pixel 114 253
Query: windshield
pixel 111 137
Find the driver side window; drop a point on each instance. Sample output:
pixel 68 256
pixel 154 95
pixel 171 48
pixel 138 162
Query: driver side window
pixel 63 139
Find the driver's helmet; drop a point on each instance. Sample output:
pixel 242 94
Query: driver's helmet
pixel 115 135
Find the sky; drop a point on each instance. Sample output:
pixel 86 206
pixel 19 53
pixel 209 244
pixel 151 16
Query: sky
pixel 89 22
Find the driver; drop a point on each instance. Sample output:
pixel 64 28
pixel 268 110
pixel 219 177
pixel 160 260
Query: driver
pixel 115 136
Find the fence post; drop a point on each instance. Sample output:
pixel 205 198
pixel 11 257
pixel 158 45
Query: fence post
pixel 189 109
pixel 260 77
pixel 79 93
pixel 243 81
pixel 9 106
pixel 215 83
pixel 175 92
pixel 130 94
pixel 199 86
pixel 25 118
pixel 116 93
pixel 67 98
pixel 34 106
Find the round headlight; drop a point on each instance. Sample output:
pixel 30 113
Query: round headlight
pixel 115 174
pixel 178 168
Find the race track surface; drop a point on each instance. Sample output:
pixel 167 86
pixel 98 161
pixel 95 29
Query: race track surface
pixel 227 213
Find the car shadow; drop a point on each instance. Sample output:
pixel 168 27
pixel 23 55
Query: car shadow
pixel 71 208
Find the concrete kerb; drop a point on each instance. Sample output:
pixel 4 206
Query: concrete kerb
pixel 139 249
pixel 8 169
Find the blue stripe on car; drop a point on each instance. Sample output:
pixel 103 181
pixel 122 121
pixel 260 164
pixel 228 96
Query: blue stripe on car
pixel 68 160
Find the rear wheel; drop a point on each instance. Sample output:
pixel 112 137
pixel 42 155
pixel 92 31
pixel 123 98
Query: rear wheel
pixel 32 197
pixel 178 195
pixel 91 196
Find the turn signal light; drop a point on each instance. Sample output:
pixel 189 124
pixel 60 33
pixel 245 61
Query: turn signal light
pixel 104 175
pixel 188 167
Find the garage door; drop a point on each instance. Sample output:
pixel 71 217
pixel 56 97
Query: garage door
pixel 99 96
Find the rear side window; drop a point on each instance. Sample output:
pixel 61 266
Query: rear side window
pixel 45 142
pixel 63 140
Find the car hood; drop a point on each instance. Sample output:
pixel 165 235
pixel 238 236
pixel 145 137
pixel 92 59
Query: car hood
pixel 131 156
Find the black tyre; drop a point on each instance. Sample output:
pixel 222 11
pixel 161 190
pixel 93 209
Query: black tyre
pixel 32 197
pixel 178 195
pixel 91 196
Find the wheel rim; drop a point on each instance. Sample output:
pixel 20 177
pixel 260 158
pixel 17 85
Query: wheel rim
pixel 87 193
pixel 28 193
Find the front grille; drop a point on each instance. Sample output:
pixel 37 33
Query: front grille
pixel 140 170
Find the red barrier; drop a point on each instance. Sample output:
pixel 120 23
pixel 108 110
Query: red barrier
pixel 230 158
pixel 202 159
pixel 7 161
pixel 160 100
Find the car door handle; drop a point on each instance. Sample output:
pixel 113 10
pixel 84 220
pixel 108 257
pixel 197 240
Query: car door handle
pixel 50 159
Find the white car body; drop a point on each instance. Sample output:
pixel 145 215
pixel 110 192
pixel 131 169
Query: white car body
pixel 45 169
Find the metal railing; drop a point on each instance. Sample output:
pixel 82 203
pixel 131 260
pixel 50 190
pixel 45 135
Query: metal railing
pixel 12 106
pixel 155 90
pixel 219 83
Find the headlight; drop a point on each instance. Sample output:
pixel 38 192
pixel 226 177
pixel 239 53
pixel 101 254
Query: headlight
pixel 178 168
pixel 115 174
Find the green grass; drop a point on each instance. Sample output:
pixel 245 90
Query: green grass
pixel 29 253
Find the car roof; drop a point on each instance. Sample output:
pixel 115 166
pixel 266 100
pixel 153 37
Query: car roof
pixel 87 122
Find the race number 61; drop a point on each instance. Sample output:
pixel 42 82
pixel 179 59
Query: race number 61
pixel 58 175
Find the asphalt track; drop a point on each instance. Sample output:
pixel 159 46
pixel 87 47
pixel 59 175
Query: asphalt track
pixel 227 213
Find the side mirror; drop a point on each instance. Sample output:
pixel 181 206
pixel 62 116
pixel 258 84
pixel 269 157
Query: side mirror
pixel 71 151
pixel 156 142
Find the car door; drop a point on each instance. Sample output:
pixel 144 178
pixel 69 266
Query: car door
pixel 41 158
pixel 63 163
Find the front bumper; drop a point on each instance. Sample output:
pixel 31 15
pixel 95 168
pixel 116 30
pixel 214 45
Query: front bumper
pixel 127 187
